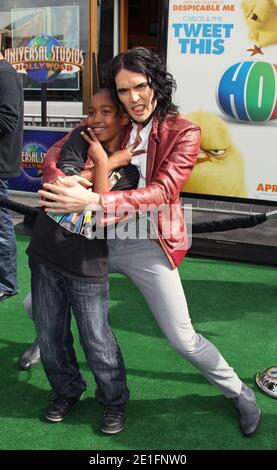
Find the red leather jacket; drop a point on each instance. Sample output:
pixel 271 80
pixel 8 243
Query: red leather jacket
pixel 172 152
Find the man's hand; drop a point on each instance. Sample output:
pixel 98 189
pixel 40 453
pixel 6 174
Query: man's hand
pixel 70 196
pixel 82 180
pixel 124 157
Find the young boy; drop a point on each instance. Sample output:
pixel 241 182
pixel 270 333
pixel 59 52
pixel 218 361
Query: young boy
pixel 83 143
pixel 69 270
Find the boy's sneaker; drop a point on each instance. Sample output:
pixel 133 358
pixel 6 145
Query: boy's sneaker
pixel 114 419
pixel 59 408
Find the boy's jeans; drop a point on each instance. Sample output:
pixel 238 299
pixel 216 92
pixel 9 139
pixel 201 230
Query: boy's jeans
pixel 53 294
pixel 8 265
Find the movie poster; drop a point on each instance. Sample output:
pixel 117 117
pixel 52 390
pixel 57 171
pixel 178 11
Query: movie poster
pixel 223 55
pixel 36 142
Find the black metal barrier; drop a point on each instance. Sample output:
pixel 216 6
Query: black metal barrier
pixel 231 223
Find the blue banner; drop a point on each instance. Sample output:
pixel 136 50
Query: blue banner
pixel 36 142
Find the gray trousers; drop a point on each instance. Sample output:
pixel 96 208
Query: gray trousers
pixel 144 262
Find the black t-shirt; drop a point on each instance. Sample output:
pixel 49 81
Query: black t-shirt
pixel 67 253
pixel 74 152
pixel 74 255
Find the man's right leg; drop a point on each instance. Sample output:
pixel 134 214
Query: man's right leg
pixel 51 313
pixel 144 262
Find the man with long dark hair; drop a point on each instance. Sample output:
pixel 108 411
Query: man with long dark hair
pixel 141 83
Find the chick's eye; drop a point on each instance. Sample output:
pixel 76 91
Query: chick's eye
pixel 217 153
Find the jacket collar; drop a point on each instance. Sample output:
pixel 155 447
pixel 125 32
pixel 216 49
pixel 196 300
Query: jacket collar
pixel 151 151
pixel 126 135
pixel 154 131
pixel 152 144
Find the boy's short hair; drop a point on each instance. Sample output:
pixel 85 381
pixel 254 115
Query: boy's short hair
pixel 118 105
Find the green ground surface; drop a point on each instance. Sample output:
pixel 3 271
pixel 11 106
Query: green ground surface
pixel 172 406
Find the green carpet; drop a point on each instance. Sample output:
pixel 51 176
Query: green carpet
pixel 172 406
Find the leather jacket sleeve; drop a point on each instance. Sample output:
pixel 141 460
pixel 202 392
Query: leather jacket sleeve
pixel 166 183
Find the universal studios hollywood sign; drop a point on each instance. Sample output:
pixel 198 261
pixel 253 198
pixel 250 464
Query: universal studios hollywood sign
pixel 44 59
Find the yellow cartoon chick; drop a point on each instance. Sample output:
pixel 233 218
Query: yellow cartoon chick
pixel 261 19
pixel 220 168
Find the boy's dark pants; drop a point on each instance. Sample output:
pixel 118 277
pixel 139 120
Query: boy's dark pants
pixel 53 295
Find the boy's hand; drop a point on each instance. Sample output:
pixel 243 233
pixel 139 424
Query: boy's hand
pixel 88 174
pixel 124 157
pixel 95 152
